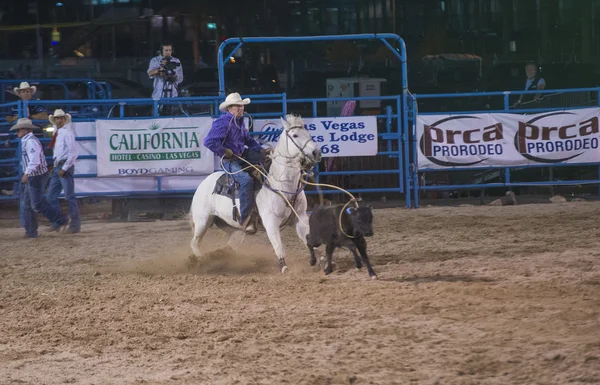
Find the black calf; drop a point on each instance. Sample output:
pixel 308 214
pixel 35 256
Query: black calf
pixel 325 230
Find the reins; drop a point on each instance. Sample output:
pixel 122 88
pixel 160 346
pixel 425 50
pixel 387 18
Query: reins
pixel 302 180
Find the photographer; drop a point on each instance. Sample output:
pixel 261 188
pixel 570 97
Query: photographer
pixel 166 72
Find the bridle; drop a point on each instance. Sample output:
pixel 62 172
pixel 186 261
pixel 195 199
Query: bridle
pixel 301 148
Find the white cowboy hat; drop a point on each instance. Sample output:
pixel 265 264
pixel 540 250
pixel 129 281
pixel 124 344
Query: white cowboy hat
pixel 231 100
pixel 24 86
pixel 23 123
pixel 58 113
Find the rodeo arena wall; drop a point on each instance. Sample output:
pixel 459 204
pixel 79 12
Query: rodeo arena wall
pixel 378 144
pixel 131 154
pixel 164 156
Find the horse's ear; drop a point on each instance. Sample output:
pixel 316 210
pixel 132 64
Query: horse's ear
pixel 284 124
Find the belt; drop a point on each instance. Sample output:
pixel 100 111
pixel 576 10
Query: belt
pixel 59 163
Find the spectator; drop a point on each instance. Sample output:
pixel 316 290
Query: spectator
pixel 534 82
pixel 25 92
pixel 65 154
pixel 34 180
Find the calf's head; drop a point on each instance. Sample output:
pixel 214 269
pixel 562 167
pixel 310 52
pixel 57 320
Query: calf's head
pixel 362 220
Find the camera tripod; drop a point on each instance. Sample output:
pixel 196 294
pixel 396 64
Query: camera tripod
pixel 167 92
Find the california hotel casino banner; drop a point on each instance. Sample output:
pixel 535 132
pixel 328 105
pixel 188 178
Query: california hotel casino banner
pixel 153 147
pixel 485 140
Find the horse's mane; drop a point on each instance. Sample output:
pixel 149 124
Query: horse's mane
pixel 294 120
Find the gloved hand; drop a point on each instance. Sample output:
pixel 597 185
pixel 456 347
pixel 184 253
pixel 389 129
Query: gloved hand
pixel 228 154
pixel 256 174
pixel 267 150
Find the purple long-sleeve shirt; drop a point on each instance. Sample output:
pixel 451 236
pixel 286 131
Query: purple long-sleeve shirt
pixel 227 133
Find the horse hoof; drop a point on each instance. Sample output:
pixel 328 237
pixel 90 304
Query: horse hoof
pixel 373 277
pixel 313 262
pixel 283 269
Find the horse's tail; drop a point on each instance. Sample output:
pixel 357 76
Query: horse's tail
pixel 191 220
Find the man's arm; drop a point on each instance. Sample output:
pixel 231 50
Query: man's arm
pixel 39 113
pixel 179 73
pixel 40 116
pixel 34 151
pixel 541 84
pixel 216 136
pixel 252 143
pixel 72 151
pixel 153 67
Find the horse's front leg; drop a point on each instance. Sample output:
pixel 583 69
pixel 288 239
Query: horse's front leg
pixel 271 225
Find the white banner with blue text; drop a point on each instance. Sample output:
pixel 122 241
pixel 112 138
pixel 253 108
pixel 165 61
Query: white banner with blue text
pixel 340 136
pixel 490 140
pixel 153 147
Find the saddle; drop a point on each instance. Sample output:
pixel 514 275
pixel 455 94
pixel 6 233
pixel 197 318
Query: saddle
pixel 228 187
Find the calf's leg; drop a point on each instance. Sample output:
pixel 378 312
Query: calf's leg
pixel 310 243
pixel 361 244
pixel 357 261
pixel 329 254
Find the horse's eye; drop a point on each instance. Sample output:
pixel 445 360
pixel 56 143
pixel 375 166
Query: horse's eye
pixel 294 136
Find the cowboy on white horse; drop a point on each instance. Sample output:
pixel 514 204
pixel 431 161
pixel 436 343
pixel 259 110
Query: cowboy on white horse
pixel 228 138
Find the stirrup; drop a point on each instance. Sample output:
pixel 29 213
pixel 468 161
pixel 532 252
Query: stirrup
pixel 251 225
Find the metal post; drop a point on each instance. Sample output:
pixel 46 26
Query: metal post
pixel 416 186
pixel 284 101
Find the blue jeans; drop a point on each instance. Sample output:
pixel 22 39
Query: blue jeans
pixel 246 189
pixel 66 184
pixel 34 201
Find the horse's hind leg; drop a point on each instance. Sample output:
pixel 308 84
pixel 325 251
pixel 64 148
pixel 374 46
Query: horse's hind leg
pixel 201 225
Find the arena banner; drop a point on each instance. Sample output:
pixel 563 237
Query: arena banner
pixel 339 136
pixel 501 139
pixel 152 147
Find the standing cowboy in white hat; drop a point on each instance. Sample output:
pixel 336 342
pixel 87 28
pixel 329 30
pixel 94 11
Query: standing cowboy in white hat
pixel 25 92
pixel 227 138
pixel 65 154
pixel 34 179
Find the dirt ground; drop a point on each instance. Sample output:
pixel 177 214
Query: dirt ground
pixel 466 295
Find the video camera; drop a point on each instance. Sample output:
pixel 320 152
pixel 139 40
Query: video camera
pixel 169 66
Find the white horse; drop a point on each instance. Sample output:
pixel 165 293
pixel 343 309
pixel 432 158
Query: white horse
pixel 294 152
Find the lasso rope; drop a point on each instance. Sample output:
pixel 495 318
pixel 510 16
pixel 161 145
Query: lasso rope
pixel 352 199
pixel 303 180
pixel 250 165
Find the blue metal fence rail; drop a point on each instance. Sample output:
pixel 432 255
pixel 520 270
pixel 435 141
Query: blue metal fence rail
pixel 391 135
pixel 94 89
pixel 507 108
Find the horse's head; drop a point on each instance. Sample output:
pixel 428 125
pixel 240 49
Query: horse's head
pixel 297 142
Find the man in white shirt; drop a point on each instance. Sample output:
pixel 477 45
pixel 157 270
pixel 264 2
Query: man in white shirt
pixel 34 179
pixel 65 154
pixel 165 68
